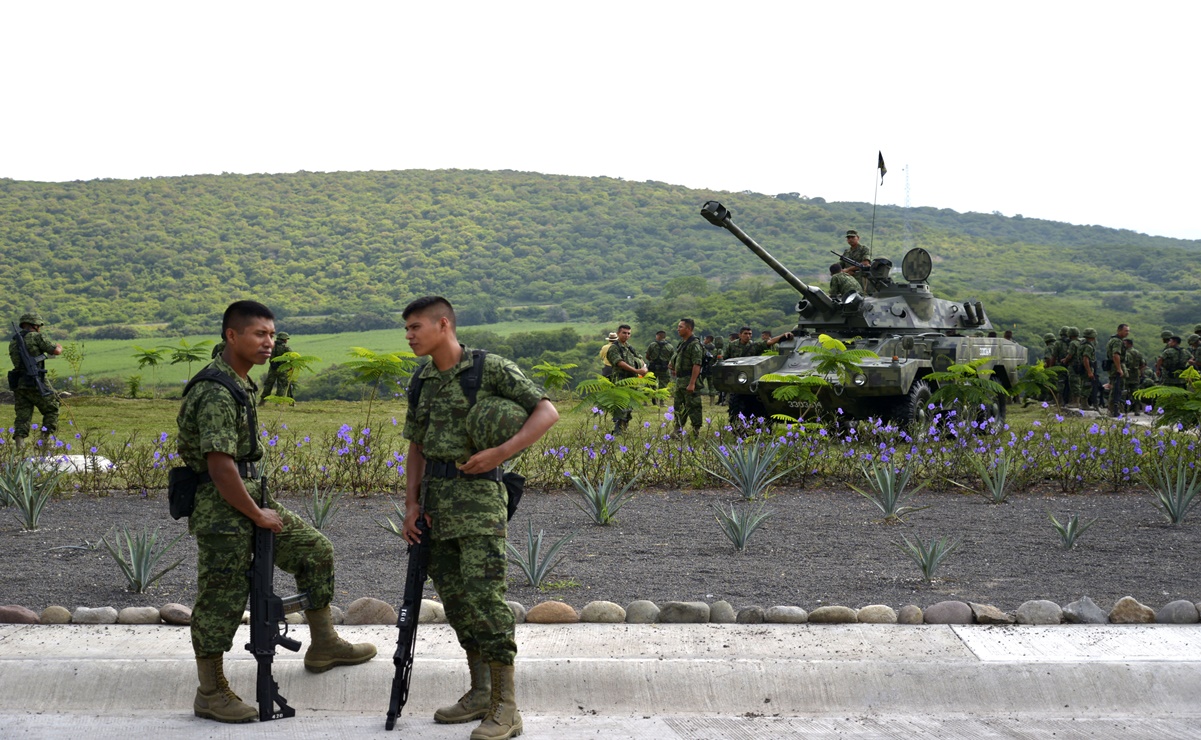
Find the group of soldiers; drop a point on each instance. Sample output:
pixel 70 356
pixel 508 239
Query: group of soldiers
pixel 1127 367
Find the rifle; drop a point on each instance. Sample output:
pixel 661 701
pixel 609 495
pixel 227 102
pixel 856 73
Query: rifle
pixel 847 261
pixel 33 371
pixel 267 613
pixel 406 622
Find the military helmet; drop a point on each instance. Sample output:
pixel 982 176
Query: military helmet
pixel 1063 330
pixel 1165 335
pixel 1193 338
pixel 283 336
pixel 1089 333
pixel 1197 329
pixel 32 319
pixel 1048 337
pixel 1073 331
pixel 493 420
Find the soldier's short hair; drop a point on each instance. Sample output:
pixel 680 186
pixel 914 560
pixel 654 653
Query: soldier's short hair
pixel 745 328
pixel 623 326
pixel 689 323
pixel 426 303
pixel 835 268
pixel 660 333
pixel 239 313
pixel 708 337
pixel 1123 326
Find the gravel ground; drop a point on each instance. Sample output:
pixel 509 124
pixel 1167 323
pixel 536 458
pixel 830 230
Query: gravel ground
pixel 823 546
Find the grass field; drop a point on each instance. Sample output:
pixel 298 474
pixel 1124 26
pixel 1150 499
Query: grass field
pixel 115 357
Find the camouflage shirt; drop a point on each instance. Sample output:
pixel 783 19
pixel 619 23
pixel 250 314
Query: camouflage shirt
pixel 1175 359
pixel 1089 350
pixel 750 349
pixel 619 352
pixel 210 420
pixel 1133 361
pixel 658 353
pixel 1115 346
pixel 689 354
pixel 438 422
pixel 857 254
pixel 37 344
pixel 843 284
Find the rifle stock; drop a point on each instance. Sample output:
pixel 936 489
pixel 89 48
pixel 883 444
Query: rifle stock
pixel 267 612
pixel 406 622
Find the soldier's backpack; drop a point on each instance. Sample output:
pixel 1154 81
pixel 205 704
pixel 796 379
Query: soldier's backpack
pixel 182 481
pixel 470 382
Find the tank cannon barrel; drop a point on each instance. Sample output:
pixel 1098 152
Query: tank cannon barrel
pixel 718 215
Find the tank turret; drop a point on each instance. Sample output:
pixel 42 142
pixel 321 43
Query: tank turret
pixel 911 331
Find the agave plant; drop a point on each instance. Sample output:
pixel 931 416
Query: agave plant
pixel 1071 530
pixel 749 466
pixel 888 490
pixel 138 555
pixel 602 501
pixel 534 563
pixel 738 526
pixel 928 557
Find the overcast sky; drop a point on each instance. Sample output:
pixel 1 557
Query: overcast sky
pixel 1078 112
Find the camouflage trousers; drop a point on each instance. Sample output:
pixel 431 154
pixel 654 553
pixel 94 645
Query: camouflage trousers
pixel 277 384
pixel 688 406
pixel 26 400
pixel 223 583
pixel 469 574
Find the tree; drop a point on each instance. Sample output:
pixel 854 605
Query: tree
pixel 189 353
pixel 151 358
pixel 374 368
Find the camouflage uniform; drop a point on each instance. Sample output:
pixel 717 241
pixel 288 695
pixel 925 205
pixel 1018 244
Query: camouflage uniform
pixel 1071 360
pixel 710 350
pixel 688 405
pixel 1090 388
pixel 276 379
pixel 619 352
pixel 1134 364
pixel 658 357
pixel 468 563
pixel 1115 346
pixel 27 397
pixel 210 420
pixel 842 284
pixel 753 348
pixel 1175 359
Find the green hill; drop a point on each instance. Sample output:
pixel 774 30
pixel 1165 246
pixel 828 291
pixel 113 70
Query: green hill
pixel 515 245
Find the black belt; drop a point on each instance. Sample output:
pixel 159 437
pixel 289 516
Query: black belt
pixel 246 471
pixel 449 471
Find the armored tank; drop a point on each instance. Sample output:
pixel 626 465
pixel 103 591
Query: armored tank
pixel 912 332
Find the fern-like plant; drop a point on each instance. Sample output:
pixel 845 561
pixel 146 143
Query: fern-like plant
pixel 738 526
pixel 1176 491
pixel 534 563
pixel 609 396
pixel 928 557
pixel 1038 379
pixel 832 358
pixel 967 386
pixel 749 466
pixel 888 492
pixel 1180 405
pixel 1072 529
pixel 373 368
pixel 138 555
pixel 601 501
pixel 554 377
pixel 291 365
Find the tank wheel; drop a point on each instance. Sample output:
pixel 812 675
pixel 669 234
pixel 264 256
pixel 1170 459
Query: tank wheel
pixel 912 411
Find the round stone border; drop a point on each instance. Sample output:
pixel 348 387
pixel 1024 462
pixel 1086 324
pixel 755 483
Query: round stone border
pixel 369 611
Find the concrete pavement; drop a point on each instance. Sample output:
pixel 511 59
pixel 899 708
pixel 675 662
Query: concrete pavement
pixel 685 681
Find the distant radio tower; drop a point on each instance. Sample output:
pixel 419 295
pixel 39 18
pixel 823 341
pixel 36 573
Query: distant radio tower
pixel 905 214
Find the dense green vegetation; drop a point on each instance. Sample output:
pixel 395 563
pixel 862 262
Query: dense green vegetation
pixel 513 245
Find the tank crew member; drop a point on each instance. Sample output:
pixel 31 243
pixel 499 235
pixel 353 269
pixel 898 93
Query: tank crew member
pixel 1115 355
pixel 658 354
pixel 276 379
pixel 856 251
pixel 744 347
pixel 686 369
pixel 626 363
pixel 215 438
pixel 27 395
pixel 454 485
pixel 842 283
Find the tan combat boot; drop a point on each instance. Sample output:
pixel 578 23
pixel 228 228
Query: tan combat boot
pixel 214 698
pixel 327 649
pixel 475 703
pixel 503 720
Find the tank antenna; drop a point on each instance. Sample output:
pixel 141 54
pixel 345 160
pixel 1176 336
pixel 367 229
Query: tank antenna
pixel 883 171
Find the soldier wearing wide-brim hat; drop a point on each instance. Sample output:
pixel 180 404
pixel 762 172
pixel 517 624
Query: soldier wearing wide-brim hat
pixel 32 391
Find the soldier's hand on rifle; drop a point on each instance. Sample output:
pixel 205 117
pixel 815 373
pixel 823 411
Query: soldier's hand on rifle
pixel 269 519
pixel 411 535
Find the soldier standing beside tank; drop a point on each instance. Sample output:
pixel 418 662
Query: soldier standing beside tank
pixel 459 493
pixel 686 369
pixel 215 441
pixel 658 355
pixel 32 391
pixel 276 378
pixel 1115 355
pixel 626 363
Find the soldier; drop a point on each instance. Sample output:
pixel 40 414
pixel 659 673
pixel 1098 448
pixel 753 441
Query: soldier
pixel 1115 356
pixel 855 251
pixel 1134 368
pixel 218 348
pixel 216 442
pixel 1172 360
pixel 276 379
pixel 457 489
pixel 1061 349
pixel 686 369
pixel 626 363
pixel 1071 361
pixel 1164 335
pixel 744 347
pixel 658 354
pixel 32 391
pixel 1049 351
pixel 1090 381
pixel 1194 343
pixel 711 358
pixel 842 283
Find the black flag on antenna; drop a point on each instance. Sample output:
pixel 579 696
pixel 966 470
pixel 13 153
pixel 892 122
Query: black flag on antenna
pixel 881 167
